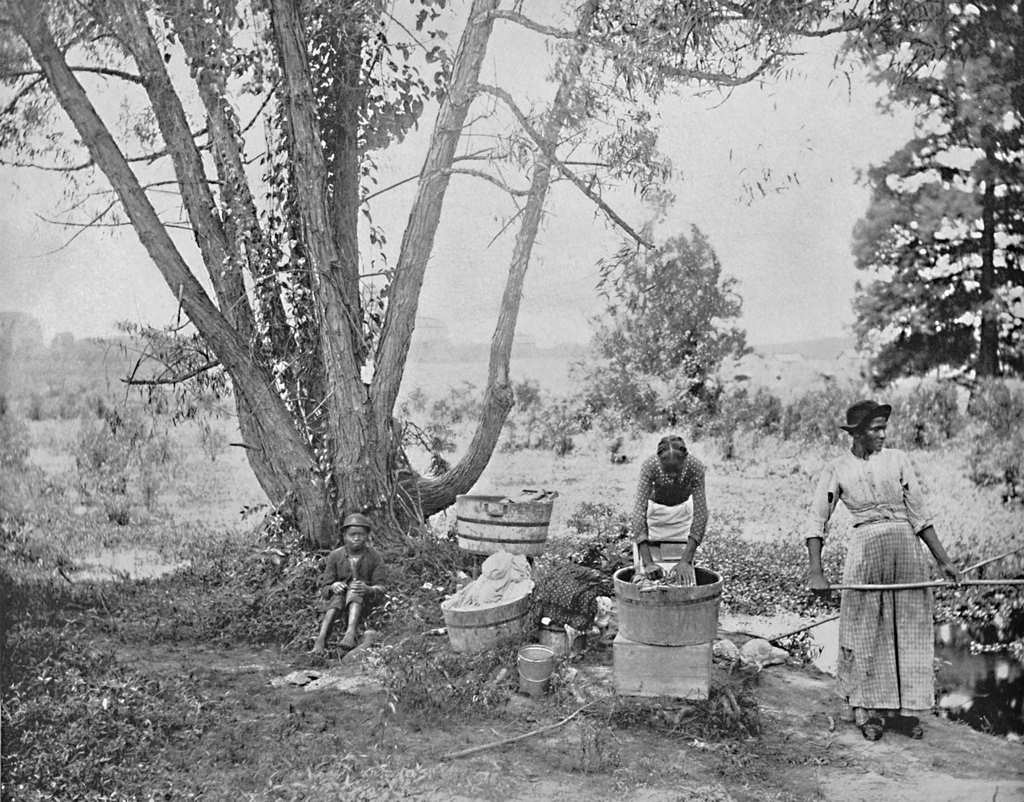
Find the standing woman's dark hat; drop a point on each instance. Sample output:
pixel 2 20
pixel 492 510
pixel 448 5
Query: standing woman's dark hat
pixel 862 413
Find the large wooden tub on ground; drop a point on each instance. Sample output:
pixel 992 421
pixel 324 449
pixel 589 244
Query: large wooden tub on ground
pixel 489 524
pixel 495 606
pixel 666 632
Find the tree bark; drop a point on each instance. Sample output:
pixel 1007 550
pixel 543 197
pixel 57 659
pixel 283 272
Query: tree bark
pixel 425 215
pixel 356 438
pixel 309 504
pixel 988 345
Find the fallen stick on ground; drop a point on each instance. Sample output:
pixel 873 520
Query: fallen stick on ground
pixel 474 749
pixel 791 633
pixel 804 628
pixel 934 584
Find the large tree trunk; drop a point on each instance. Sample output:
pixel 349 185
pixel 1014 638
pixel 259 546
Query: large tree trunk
pixel 352 435
pixel 988 345
pixel 425 215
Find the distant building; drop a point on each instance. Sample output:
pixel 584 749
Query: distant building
pixel 20 333
pixel 430 340
pixel 64 341
pixel 524 344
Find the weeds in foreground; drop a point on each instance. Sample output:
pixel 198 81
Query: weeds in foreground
pixel 78 724
pixel 730 712
pixel 427 680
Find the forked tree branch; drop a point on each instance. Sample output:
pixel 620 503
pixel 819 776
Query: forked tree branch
pixel 489 178
pixel 191 374
pixel 478 155
pixel 549 151
pixel 533 25
pixel 14 101
pixel 108 72
pixel 149 158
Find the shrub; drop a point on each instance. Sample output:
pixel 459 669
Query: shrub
pixel 212 441
pixel 812 416
pixel 926 416
pixel 736 411
pixel 545 423
pixel 764 577
pixel 15 442
pixel 460 405
pixel 122 458
pixel 34 411
pixel 425 678
pixel 996 432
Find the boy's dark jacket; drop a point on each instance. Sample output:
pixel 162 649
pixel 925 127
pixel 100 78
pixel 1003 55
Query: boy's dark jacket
pixel 338 569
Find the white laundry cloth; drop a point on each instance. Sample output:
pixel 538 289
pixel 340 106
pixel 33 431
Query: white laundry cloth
pixel 668 528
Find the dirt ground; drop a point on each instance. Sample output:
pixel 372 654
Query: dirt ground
pixel 803 752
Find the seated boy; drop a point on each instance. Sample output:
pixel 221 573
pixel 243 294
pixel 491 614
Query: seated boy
pixel 352 580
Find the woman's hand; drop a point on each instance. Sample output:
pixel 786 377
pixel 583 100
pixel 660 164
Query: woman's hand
pixel 337 587
pixel 682 573
pixel 950 570
pixel 817 582
pixel 358 586
pixel 651 570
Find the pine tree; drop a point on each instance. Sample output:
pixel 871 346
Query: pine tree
pixel 944 234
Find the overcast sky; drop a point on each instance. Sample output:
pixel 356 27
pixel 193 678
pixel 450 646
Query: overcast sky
pixel 790 250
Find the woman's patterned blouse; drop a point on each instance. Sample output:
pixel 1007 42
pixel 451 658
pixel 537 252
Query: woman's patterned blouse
pixel 656 485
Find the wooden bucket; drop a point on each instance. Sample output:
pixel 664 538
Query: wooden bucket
pixel 477 628
pixel 667 615
pixel 489 524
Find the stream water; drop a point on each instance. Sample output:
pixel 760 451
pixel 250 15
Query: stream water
pixel 986 691
pixel 123 563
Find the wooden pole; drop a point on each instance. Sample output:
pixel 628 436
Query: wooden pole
pixel 938 583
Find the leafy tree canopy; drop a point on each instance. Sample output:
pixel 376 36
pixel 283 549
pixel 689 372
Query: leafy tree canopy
pixel 942 238
pixel 667 327
pixel 263 120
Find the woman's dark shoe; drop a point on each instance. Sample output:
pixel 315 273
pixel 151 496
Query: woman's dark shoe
pixel 873 728
pixel 907 725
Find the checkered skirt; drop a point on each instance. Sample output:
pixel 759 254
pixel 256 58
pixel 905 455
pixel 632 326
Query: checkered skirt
pixel 886 639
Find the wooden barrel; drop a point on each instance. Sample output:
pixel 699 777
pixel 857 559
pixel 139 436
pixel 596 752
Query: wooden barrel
pixel 477 628
pixel 669 615
pixel 489 524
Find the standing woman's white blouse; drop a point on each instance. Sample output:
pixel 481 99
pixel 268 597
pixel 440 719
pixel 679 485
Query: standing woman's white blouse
pixel 882 487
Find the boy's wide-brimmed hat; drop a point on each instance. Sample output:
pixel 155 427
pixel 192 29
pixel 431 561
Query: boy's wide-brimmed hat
pixel 356 519
pixel 862 413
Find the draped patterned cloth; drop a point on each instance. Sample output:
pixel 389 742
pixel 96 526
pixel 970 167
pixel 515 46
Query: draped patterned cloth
pixel 886 642
pixel 567 594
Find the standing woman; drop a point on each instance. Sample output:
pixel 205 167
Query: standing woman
pixel 886 638
pixel 670 511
